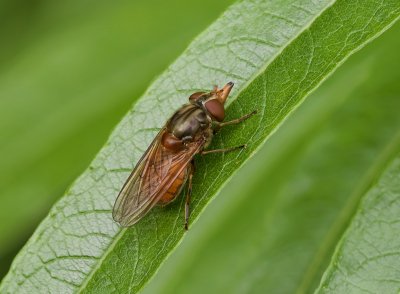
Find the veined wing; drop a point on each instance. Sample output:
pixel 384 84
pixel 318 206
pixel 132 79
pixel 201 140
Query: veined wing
pixel 150 180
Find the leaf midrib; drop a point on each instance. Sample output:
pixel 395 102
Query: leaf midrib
pixel 110 248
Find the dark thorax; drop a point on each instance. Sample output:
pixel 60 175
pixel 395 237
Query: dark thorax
pixel 188 122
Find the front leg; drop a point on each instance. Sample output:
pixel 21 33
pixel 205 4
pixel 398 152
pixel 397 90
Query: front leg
pixel 219 125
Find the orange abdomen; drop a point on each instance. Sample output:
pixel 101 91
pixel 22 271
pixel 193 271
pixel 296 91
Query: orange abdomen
pixel 175 188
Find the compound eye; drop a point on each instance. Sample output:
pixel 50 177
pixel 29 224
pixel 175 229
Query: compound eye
pixel 195 96
pixel 216 109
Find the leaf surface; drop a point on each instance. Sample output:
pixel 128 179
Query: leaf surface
pixel 67 75
pixel 276 53
pixel 274 228
pixel 367 258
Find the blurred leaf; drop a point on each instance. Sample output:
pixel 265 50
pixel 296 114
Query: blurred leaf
pixel 68 72
pixel 367 258
pixel 275 227
pixel 276 53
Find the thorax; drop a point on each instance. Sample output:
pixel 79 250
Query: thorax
pixel 189 121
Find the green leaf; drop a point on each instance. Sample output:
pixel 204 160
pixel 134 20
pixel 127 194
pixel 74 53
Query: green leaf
pixel 367 258
pixel 67 75
pixel 276 52
pixel 275 227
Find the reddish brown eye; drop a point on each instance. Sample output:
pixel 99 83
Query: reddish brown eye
pixel 196 96
pixel 216 109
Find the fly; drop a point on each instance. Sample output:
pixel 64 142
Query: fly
pixel 168 164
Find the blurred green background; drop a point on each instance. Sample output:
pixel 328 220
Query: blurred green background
pixel 68 72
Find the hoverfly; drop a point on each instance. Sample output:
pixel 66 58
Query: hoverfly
pixel 167 165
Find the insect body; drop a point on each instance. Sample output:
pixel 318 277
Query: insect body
pixel 167 165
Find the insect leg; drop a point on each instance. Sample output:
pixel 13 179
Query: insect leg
pixel 189 196
pixel 224 150
pixel 237 120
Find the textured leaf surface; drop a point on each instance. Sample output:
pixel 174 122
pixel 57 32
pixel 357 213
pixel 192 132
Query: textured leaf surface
pixel 276 52
pixel 67 75
pixel 291 203
pixel 367 259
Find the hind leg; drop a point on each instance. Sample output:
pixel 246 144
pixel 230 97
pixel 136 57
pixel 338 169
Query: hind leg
pixel 188 196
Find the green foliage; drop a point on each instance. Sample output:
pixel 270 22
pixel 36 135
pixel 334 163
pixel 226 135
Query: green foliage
pixel 274 228
pixel 368 255
pixel 68 72
pixel 277 53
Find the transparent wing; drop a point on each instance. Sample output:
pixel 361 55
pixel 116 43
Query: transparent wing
pixel 150 180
